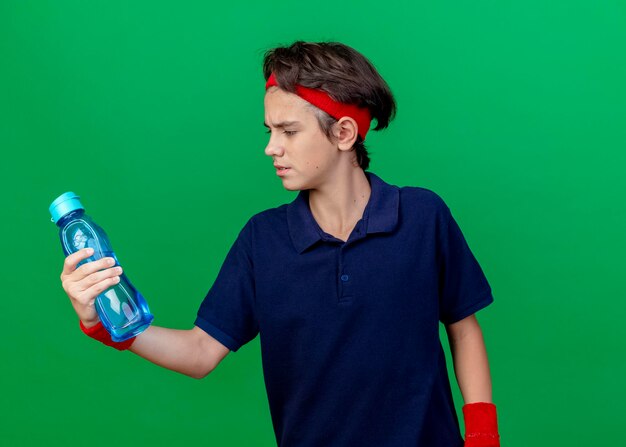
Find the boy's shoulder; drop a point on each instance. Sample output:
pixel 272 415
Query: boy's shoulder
pixel 422 198
pixel 270 216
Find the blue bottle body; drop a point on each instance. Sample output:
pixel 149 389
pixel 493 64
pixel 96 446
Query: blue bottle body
pixel 122 309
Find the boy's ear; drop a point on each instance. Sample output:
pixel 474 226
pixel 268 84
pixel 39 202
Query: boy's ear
pixel 346 132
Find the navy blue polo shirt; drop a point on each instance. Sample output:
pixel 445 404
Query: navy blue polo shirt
pixel 349 331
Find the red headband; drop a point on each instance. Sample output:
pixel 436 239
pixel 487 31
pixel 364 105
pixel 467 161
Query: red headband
pixel 337 110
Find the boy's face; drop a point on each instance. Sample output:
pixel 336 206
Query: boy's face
pixel 297 142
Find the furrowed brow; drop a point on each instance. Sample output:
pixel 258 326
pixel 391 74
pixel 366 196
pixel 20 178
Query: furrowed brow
pixel 283 124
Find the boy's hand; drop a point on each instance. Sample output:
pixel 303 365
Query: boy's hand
pixel 85 283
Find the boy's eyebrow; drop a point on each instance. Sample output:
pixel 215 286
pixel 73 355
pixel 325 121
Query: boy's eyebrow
pixel 283 124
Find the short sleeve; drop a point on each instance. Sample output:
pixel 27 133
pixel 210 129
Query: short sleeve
pixel 463 287
pixel 227 313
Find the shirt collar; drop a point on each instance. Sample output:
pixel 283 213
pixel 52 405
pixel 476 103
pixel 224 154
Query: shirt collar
pixel 380 214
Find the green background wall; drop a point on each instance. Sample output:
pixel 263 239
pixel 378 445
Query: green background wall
pixel 514 112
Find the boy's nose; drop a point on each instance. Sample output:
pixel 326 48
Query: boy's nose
pixel 273 149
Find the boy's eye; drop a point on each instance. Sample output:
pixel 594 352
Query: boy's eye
pixel 286 132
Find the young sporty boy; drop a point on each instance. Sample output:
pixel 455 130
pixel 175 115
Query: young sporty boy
pixel 345 286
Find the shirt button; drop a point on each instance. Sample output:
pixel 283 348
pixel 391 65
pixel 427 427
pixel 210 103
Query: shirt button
pixel 344 278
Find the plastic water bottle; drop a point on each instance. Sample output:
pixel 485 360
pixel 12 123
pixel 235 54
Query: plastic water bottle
pixel 121 308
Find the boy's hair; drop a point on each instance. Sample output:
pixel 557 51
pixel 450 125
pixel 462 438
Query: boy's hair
pixel 342 72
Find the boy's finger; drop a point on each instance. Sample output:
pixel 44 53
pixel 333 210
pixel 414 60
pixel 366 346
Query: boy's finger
pixel 70 262
pixel 95 266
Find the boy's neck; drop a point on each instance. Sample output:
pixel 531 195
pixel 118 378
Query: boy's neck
pixel 339 205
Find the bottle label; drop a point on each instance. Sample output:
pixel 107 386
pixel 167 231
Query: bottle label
pixel 79 234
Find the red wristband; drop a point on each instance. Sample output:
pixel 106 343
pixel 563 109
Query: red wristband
pixel 98 332
pixel 481 425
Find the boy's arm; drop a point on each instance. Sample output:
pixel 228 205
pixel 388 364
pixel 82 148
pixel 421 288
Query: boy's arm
pixel 469 354
pixel 191 352
pixel 472 373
